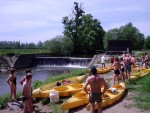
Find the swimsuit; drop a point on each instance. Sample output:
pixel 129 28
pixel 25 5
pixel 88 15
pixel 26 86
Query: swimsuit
pixel 24 99
pixel 116 72
pixel 14 81
pixel 123 69
pixel 95 97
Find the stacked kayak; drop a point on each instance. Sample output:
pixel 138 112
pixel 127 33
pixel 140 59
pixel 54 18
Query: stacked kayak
pixel 103 70
pixel 139 74
pixel 82 98
pixel 43 91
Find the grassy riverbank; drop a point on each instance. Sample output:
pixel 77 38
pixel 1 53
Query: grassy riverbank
pixel 141 88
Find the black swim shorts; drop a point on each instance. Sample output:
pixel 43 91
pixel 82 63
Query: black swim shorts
pixel 24 99
pixel 95 97
pixel 116 72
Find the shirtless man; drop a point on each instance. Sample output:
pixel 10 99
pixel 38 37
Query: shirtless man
pixel 117 67
pixel 95 82
pixel 11 80
pixel 24 77
pixel 27 94
pixel 128 66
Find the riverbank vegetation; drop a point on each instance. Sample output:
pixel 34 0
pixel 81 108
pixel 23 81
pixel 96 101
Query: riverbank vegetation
pixel 141 88
pixel 50 79
pixel 13 52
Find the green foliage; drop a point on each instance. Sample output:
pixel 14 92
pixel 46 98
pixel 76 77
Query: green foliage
pixel 4 99
pixel 18 45
pixel 22 51
pixel 37 84
pixel 127 32
pixel 84 31
pixel 64 76
pixel 147 43
pixel 59 45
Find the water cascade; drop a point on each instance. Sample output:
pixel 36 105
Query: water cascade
pixel 61 62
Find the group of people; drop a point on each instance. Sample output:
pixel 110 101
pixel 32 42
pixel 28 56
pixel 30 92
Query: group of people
pixel 122 65
pixel 26 89
pixel 143 60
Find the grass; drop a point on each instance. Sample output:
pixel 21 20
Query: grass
pixel 5 98
pixel 22 51
pixel 142 90
pixel 50 79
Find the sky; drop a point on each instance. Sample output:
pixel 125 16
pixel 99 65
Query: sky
pixel 41 20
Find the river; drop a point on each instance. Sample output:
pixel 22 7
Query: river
pixel 39 73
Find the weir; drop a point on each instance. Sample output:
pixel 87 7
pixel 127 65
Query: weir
pixel 61 61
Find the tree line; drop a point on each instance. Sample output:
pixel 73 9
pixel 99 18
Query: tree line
pixel 18 45
pixel 84 34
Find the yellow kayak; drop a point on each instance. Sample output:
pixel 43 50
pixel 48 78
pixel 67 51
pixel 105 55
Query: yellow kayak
pixel 103 70
pixel 81 98
pixel 112 95
pixel 76 100
pixel 139 74
pixel 43 91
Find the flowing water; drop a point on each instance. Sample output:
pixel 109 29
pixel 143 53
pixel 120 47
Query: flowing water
pixel 43 68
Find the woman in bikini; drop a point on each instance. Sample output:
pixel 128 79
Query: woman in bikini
pixel 117 67
pixel 11 80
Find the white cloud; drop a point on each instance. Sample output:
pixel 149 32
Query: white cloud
pixel 29 20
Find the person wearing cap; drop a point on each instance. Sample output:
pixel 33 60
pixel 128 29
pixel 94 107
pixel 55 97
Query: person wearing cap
pixel 27 94
pixel 95 82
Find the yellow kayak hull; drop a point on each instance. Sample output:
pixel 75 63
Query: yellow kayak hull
pixel 109 97
pixel 82 98
pixel 43 91
pixel 139 74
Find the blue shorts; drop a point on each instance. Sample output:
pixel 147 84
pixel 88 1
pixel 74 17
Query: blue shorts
pixel 128 67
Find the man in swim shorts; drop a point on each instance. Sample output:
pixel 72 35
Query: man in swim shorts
pixel 95 82
pixel 27 94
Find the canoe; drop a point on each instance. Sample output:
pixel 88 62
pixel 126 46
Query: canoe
pixel 81 98
pixel 139 74
pixel 111 96
pixel 43 91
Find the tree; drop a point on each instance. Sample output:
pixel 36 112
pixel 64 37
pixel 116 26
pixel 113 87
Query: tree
pixel 127 32
pixel 84 31
pixel 59 45
pixel 147 42
pixel 40 45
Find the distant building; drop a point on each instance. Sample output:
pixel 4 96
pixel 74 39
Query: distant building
pixel 118 46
